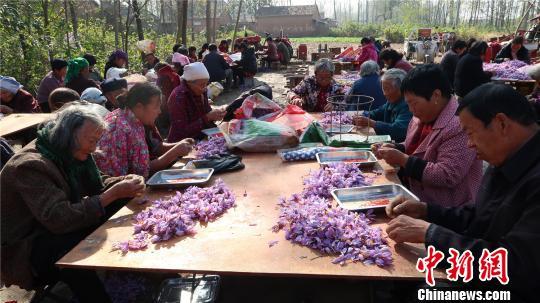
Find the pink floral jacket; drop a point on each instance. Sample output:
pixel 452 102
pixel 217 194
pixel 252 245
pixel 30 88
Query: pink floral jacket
pixel 123 150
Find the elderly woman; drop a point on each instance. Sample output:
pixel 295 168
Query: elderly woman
pixel 312 93
pixel 53 196
pixel 435 161
pixel 369 85
pixel 394 116
pixel 77 77
pixel 189 109
pixel 393 59
pixel 117 59
pixel 132 143
pixel 14 99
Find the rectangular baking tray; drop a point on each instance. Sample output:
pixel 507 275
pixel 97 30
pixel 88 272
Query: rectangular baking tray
pixel 337 129
pixel 180 177
pixel 357 198
pixel 365 158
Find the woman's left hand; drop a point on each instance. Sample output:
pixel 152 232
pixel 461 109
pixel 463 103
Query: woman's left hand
pixel 392 156
pixel 363 121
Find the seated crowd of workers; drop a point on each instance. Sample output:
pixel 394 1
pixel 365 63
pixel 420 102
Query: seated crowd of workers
pixel 111 132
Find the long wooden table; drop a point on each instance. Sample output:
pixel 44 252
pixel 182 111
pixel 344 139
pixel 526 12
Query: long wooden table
pixel 238 242
pixel 17 122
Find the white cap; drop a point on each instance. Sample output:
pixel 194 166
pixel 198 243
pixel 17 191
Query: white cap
pixel 195 71
pixel 115 72
pixel 93 95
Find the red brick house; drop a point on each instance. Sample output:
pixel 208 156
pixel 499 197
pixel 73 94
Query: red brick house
pixel 295 21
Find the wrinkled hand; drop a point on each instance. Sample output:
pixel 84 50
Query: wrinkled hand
pixel 375 147
pixel 403 206
pixel 130 187
pixel 363 121
pixel 392 156
pixel 407 229
pixel 297 101
pixel 183 147
pixel 216 114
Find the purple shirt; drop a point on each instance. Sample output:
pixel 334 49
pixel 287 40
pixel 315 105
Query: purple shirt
pixel 47 85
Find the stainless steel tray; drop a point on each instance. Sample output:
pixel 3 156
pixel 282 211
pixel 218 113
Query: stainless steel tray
pixel 361 198
pixel 337 129
pixel 180 177
pixel 362 158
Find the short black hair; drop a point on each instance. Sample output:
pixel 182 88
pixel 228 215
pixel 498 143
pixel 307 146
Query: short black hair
pixel 212 47
pixel 518 40
pixel 205 46
pixel 390 54
pixel 57 64
pixel 182 50
pixel 423 80
pixel 478 48
pixel 459 44
pixel 192 48
pixel 365 40
pixel 90 58
pixel 490 99
pixel 61 96
pixel 470 42
pixel 140 93
pixel 176 47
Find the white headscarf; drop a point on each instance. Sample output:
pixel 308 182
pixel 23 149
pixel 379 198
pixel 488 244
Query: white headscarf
pixel 195 71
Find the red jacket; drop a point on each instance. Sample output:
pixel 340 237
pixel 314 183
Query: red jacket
pixel 187 116
pixel 167 81
pixel 369 52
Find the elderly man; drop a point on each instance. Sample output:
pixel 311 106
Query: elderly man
pixel 312 93
pixel 14 99
pixel 502 128
pixel 394 116
pixel 368 85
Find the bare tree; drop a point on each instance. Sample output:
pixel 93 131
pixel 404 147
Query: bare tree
pixel 116 17
pixel 45 7
pixel 137 13
pixel 75 22
pixel 214 37
pixel 67 28
pixel 179 21
pixel 208 21
pixel 237 20
pixel 184 21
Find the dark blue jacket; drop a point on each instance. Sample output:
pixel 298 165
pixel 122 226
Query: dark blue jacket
pixel 392 119
pixel 216 66
pixel 369 86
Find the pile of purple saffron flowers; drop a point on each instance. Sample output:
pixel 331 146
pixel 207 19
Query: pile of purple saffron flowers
pixel 310 219
pixel 214 146
pixel 335 175
pixel 513 70
pixel 176 216
pixel 335 118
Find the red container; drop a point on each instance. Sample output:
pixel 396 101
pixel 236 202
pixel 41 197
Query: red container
pixel 302 52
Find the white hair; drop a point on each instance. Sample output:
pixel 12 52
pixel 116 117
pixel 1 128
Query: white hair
pixel 369 67
pixel 395 75
pixel 325 65
pixel 64 129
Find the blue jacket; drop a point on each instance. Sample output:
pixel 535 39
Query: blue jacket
pixel 392 119
pixel 369 86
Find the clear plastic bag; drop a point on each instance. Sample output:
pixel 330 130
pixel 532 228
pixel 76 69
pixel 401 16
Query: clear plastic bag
pixel 256 106
pixel 258 136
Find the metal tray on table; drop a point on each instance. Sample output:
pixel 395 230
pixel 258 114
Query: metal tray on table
pixel 369 197
pixel 180 177
pixel 362 158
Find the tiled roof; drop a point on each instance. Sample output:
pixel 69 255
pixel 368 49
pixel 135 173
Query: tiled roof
pixel 299 10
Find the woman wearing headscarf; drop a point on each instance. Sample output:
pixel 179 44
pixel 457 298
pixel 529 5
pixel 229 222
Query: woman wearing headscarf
pixel 77 77
pixel 14 99
pixel 132 144
pixel 117 59
pixel 189 109
pixel 53 196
